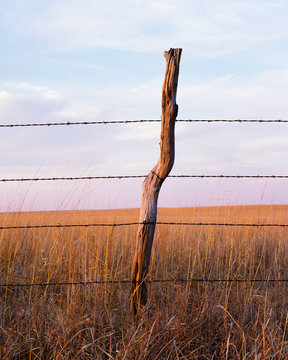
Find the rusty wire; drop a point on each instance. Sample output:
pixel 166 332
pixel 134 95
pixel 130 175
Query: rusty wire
pixel 143 176
pixel 118 282
pixel 69 123
pixel 137 223
pixel 140 223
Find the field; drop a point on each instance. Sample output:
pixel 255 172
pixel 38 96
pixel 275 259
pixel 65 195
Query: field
pixel 195 320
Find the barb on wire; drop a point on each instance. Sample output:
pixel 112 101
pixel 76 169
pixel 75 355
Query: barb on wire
pixel 141 223
pixel 119 177
pixel 69 123
pixel 152 281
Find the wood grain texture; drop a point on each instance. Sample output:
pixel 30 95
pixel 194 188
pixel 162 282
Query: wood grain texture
pixel 153 182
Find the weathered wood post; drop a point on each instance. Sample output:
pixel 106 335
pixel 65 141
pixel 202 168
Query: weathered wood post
pixel 152 183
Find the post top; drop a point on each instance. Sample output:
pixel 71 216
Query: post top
pixel 173 52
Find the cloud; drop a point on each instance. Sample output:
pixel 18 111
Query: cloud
pixel 258 96
pixel 30 89
pixel 210 28
pixel 268 144
pixel 23 102
pixel 108 150
pixel 201 147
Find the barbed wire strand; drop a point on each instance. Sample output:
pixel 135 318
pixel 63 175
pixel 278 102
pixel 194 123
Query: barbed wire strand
pixel 118 282
pixel 141 223
pixel 143 176
pixel 69 123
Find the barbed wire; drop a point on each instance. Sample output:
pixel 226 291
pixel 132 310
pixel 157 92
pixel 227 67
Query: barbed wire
pixel 119 177
pixel 118 282
pixel 140 223
pixel 75 178
pixel 103 122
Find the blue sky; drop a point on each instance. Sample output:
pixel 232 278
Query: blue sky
pixel 94 60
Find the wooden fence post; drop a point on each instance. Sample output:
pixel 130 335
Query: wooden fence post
pixel 152 183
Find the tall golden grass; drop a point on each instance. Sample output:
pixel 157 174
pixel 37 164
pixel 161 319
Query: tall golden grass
pixel 197 320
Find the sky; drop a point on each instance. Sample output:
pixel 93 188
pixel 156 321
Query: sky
pixel 90 60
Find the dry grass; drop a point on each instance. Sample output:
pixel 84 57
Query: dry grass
pixel 181 321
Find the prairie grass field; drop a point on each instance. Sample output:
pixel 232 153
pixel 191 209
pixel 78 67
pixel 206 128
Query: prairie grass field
pixel 182 320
